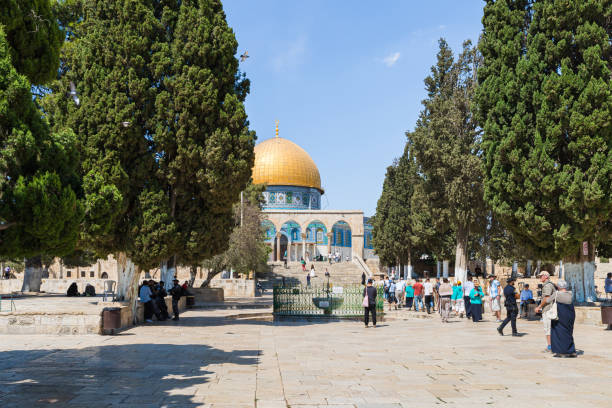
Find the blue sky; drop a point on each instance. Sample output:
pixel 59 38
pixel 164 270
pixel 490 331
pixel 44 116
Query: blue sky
pixel 345 79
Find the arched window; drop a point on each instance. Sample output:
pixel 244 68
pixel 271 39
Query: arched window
pixel 104 275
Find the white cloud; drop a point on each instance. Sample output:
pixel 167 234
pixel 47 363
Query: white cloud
pixel 292 56
pixel 390 60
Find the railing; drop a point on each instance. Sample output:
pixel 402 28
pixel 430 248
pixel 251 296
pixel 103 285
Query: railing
pixel 321 301
pixel 363 266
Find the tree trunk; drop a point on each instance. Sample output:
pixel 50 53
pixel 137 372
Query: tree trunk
pixel 126 275
pixel 528 268
pixel 580 275
pixel 32 277
pixel 210 274
pixel 461 256
pixel 168 272
pixel 445 268
pixel 409 267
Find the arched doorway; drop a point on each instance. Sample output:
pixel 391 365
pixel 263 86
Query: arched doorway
pixel 316 240
pixel 293 235
pixel 342 240
pixel 280 247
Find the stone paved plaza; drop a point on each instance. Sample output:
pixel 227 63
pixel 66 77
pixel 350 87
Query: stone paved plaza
pixel 212 361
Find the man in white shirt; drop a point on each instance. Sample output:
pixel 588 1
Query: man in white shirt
pixel 495 297
pixel 467 288
pixel 428 292
pixel 399 292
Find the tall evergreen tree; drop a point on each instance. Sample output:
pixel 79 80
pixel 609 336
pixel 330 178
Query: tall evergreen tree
pixel 162 126
pixel 382 235
pixel 446 146
pixel 39 210
pixel 34 38
pixel 545 103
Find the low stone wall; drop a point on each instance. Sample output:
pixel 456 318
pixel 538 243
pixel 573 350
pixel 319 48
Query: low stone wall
pixel 235 287
pixel 49 323
pixel 208 295
pixel 61 285
pixel 10 285
pixel 53 285
pixel 71 322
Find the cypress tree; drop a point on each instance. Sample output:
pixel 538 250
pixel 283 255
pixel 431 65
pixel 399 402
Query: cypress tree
pixel 34 38
pixel 446 146
pixel 545 103
pixel 39 210
pixel 162 127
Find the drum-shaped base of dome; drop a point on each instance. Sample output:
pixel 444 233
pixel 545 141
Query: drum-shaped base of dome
pixel 292 198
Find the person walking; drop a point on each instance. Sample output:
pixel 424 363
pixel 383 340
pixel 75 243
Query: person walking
pixel 476 297
pixel 307 279
pixel 467 289
pixel 409 295
pixel 418 295
pixel 445 291
pixel 495 297
pixel 363 278
pixel 428 291
pixel 370 292
pixel 436 292
pixel 312 271
pixel 303 263
pixel 392 299
pixel 176 292
pixel 510 296
pixel 399 292
pixel 548 291
pixel 457 299
pixel 562 329
pixel 607 286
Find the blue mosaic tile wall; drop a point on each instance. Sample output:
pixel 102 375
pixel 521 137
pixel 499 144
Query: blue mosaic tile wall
pixel 292 198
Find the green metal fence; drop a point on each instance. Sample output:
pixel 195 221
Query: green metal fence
pixel 321 301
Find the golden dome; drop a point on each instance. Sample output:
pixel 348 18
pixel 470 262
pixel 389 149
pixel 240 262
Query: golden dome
pixel 280 162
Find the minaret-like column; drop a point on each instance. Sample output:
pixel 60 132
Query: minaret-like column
pixel 304 246
pixel 278 241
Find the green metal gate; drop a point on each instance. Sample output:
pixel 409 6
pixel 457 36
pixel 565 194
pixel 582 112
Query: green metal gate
pixel 322 301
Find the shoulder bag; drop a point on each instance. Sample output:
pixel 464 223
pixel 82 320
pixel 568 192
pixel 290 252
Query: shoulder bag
pixel 552 313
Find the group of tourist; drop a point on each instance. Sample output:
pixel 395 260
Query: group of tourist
pixel 153 297
pixel 468 299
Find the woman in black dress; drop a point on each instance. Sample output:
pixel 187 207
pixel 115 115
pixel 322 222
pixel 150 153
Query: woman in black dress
pixel 562 329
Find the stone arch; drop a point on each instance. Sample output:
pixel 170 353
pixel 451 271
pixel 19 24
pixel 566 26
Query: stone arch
pixel 342 239
pixel 104 275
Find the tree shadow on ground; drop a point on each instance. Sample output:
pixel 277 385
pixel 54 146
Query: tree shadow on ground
pixel 135 375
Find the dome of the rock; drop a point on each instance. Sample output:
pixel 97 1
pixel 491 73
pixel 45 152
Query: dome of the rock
pixel 280 162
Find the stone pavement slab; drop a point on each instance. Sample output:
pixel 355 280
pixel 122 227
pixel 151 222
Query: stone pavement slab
pixel 210 360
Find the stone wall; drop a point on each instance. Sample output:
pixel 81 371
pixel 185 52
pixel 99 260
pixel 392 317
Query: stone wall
pixel 70 322
pixel 235 287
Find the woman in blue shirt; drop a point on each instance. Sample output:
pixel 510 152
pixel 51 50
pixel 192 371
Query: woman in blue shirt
pixel 476 296
pixel 457 299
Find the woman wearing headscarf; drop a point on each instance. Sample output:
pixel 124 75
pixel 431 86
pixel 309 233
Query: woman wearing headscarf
pixel 457 299
pixel 476 297
pixel 562 329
